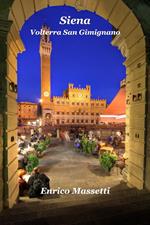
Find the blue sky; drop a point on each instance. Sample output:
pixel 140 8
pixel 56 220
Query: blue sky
pixel 75 59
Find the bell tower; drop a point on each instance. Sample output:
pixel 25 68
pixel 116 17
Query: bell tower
pixel 45 53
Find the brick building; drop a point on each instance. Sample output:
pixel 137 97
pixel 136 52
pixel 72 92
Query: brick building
pixel 27 112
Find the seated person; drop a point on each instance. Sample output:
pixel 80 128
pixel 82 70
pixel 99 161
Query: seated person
pixel 36 182
pixel 21 144
pixel 77 143
pixel 22 183
pixel 22 160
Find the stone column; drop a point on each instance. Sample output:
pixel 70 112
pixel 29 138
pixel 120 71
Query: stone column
pixel 4 29
pixel 1 162
pixel 147 152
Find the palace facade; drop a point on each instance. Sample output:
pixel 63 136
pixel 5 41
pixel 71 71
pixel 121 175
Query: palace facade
pixel 75 107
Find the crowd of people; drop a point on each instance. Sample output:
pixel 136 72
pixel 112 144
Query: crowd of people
pixel 94 144
pixel 114 140
pixel 30 183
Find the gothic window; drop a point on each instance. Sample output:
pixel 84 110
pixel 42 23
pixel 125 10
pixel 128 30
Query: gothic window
pixel 45 37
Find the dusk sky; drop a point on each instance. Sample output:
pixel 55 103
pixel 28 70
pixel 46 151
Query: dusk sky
pixel 75 59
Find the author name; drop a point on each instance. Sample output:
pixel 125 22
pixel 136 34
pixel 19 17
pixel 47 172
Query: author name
pixel 76 191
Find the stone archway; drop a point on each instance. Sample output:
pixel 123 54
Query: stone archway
pixel 132 45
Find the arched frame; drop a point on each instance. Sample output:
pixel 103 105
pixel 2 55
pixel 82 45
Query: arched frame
pixel 132 44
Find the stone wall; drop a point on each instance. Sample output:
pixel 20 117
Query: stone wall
pixel 147 159
pixel 1 162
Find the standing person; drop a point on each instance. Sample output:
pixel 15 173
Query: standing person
pixel 62 137
pixel 40 130
pixel 32 131
pixel 58 133
pixel 67 137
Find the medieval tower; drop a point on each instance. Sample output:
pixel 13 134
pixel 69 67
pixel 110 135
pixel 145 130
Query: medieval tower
pixel 75 106
pixel 45 54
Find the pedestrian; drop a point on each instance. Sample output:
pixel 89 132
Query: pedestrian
pixel 36 182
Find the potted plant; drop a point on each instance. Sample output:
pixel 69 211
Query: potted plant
pixel 47 141
pixel 107 160
pixel 84 142
pixel 32 162
pixel 41 148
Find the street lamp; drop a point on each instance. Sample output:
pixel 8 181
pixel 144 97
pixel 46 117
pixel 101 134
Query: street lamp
pixel 40 100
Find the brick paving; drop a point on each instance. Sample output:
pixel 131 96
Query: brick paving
pixel 68 168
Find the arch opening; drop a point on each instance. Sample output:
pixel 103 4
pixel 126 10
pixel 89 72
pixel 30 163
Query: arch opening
pixel 131 44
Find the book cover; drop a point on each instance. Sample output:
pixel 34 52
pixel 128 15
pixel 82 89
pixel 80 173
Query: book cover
pixel 74 112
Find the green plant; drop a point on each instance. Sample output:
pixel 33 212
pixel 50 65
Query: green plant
pixel 41 146
pixel 35 146
pixel 88 145
pixel 47 141
pixel 32 162
pixel 84 142
pixel 93 145
pixel 107 160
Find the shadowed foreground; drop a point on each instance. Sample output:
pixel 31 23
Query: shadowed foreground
pixel 68 169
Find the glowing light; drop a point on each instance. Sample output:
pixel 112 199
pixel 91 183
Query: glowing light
pixel 113 116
